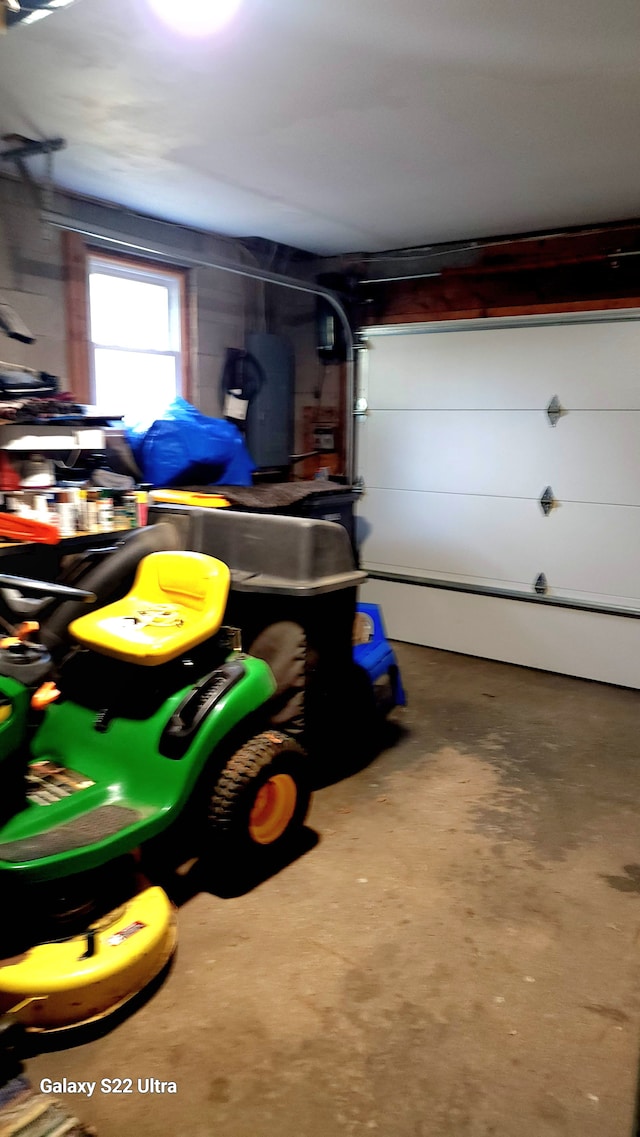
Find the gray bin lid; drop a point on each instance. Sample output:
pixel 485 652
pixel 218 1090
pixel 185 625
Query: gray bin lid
pixel 268 553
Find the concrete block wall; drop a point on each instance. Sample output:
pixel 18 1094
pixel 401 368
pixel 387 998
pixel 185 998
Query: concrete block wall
pixel 222 305
pixel 31 281
pixel 224 308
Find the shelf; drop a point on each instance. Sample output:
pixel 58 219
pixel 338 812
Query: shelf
pixel 27 438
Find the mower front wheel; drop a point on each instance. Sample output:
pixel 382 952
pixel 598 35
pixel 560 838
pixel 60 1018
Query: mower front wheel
pixel 262 795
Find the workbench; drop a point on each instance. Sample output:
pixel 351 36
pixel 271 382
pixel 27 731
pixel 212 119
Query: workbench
pixel 42 562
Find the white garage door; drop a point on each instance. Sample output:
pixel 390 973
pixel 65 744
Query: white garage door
pixel 457 450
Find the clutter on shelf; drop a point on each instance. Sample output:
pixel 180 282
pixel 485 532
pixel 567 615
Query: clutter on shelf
pixel 58 476
pixel 20 384
pixel 69 510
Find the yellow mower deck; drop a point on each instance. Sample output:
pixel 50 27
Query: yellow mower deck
pixel 71 982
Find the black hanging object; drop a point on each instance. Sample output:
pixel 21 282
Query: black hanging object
pixel 242 378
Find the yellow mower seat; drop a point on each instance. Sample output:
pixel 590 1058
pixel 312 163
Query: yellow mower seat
pixel 177 601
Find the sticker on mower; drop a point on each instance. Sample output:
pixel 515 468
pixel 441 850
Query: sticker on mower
pixel 48 782
pixel 119 937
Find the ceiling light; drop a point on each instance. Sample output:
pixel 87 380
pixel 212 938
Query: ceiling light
pixel 195 17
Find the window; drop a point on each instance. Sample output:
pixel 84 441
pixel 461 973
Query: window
pixel 135 337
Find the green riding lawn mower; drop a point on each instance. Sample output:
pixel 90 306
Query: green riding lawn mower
pixel 143 723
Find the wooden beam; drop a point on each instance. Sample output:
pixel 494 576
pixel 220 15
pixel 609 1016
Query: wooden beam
pixel 77 316
pixel 559 272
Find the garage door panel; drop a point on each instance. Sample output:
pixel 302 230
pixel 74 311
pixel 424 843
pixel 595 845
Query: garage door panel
pixel 552 639
pixel 505 453
pixel 485 539
pixel 508 367
pixel 455 451
pixel 595 457
pixel 455 454
pixel 504 542
pixel 593 549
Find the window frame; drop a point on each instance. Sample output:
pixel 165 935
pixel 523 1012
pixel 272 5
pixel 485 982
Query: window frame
pixel 78 260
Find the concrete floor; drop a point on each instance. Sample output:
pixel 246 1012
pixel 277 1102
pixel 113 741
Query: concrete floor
pixel 458 954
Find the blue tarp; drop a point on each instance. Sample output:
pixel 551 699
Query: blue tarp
pixel 185 446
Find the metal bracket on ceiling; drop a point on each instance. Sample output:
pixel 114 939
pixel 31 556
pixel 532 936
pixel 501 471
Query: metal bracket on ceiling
pixel 17 149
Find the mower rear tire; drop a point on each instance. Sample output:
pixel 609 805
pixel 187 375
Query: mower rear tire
pixel 262 795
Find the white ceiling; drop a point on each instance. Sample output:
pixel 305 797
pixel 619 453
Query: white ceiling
pixel 342 125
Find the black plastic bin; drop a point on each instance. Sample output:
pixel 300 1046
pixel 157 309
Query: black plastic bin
pixel 336 505
pixel 293 594
pixel 319 499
